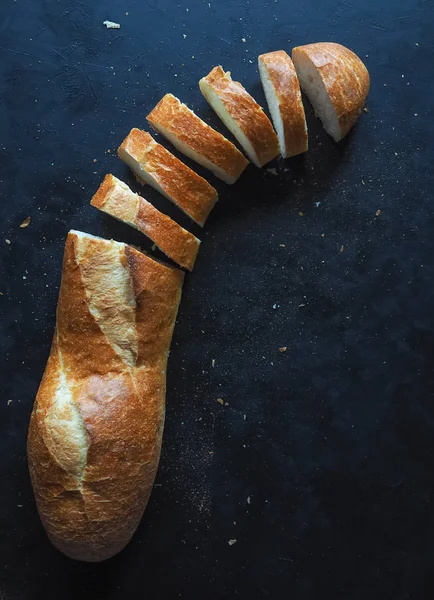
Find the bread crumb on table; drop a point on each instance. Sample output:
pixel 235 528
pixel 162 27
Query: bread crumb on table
pixel 341 250
pixel 283 349
pixel 7 241
pixel 378 213
pixel 232 542
pixel 111 25
pixel 25 223
pixel 220 401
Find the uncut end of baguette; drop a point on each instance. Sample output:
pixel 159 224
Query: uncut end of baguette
pixel 199 158
pixel 218 106
pixel 313 86
pixel 273 105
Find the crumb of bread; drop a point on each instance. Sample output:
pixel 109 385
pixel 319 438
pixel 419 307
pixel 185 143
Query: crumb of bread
pixel 243 40
pixel 341 250
pixel 283 349
pixel 366 109
pixel 213 362
pixel 220 401
pixel 378 213
pixel 249 500
pixel 25 223
pixel 184 35
pixel 300 214
pixel 7 241
pixel 9 402
pixel 111 25
pixel 282 245
pixel 232 542
pixel 94 160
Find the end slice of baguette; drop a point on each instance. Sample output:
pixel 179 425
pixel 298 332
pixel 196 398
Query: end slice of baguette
pixel 197 140
pixel 336 82
pixel 115 198
pixel 283 95
pixel 155 165
pixel 242 115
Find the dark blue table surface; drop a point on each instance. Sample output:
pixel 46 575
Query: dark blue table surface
pixel 321 464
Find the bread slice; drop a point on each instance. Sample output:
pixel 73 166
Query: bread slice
pixel 96 426
pixel 336 82
pixel 282 91
pixel 197 140
pixel 155 165
pixel 242 115
pixel 116 199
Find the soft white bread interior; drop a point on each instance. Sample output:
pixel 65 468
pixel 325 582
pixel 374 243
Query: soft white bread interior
pixel 155 165
pixel 96 427
pixel 196 139
pixel 115 198
pixel 242 115
pixel 283 95
pixel 336 82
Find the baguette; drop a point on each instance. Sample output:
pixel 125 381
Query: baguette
pixel 336 82
pixel 96 427
pixel 282 91
pixel 197 140
pixel 116 199
pixel 155 165
pixel 242 115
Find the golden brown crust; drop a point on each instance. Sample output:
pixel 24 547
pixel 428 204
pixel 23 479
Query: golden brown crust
pixel 345 77
pixel 90 513
pixel 283 77
pixel 194 133
pixel 193 194
pixel 246 112
pixel 115 198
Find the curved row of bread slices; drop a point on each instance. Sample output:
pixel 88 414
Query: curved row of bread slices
pixel 336 82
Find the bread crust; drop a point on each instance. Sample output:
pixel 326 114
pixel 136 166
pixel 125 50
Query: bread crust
pixel 91 508
pixel 192 193
pixel 345 78
pixel 115 198
pixel 246 112
pixel 283 77
pixel 190 130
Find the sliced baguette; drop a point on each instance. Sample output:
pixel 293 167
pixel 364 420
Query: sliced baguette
pixel 116 199
pixel 282 91
pixel 155 165
pixel 242 115
pixel 197 140
pixel 336 82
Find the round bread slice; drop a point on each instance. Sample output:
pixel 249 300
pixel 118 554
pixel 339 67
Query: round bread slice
pixel 336 82
pixel 283 95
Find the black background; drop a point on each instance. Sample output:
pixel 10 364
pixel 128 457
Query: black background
pixel 321 465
